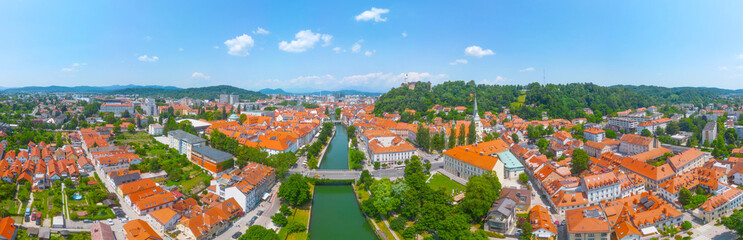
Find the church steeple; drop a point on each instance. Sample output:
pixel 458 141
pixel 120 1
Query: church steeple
pixel 477 122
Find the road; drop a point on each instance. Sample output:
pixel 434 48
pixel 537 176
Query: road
pixel 388 172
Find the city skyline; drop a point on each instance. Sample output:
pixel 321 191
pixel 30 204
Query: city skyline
pixel 370 46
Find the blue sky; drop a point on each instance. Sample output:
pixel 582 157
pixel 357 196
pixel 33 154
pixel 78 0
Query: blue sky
pixel 310 45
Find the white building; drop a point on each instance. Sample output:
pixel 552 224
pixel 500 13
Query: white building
pixel 604 186
pixel 155 129
pixel 183 142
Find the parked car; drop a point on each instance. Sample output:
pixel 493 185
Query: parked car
pixel 236 235
pixel 110 222
pixel 88 221
pixel 260 212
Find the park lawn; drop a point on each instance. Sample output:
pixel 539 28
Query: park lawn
pixel 387 231
pixel 440 181
pixel 363 194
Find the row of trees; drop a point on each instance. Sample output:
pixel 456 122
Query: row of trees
pixel 427 141
pixel 313 151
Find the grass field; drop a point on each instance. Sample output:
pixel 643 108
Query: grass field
pixel 440 181
pixel 387 231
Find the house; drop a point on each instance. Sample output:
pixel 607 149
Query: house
pixel 155 129
pixel 587 223
pixel 127 188
pixel 594 134
pixel 501 216
pixel 522 197
pixel 138 229
pixel 599 187
pixel 8 229
pixel 543 227
pixel 726 200
pixel 164 219
pixel 689 159
pixel 152 203
pixel 246 186
pixel 595 149
pixel 209 223
pixel 101 231
pixel 631 144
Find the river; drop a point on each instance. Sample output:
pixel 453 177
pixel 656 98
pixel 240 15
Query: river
pixel 336 157
pixel 336 215
pixel 335 212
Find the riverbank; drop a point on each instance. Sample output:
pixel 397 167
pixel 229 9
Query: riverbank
pixel 303 215
pixel 321 156
pixel 382 232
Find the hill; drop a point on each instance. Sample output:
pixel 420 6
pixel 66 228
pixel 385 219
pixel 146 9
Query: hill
pixel 89 89
pixel 344 92
pixel 197 93
pixel 529 101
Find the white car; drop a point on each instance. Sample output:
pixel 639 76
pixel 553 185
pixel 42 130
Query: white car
pixel 110 222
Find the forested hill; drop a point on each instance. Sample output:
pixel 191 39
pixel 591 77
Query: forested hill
pixel 197 93
pixel 558 100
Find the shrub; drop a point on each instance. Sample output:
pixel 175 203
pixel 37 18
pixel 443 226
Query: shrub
pixel 279 219
pixel 398 224
pixel 686 225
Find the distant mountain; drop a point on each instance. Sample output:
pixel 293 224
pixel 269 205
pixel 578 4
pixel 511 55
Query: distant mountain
pixel 212 92
pixel 94 89
pixel 344 92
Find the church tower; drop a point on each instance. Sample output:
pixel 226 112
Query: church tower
pixel 477 122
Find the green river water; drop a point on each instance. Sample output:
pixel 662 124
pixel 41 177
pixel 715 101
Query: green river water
pixel 335 212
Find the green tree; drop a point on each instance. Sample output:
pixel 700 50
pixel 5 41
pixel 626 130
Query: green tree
pixel 471 133
pixel 646 133
pixel 279 219
pixel 285 209
pixel 672 128
pixel 480 193
pixel 579 162
pixel 524 178
pixel 515 138
pixel 462 134
pixel 257 232
pixel 452 138
pixel 130 128
pixel 684 196
pixel 611 134
pixel 295 190
pixel 384 202
pixel 423 138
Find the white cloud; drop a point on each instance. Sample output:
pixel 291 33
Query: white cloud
pixel 145 58
pixel 740 56
pixel 373 14
pixel 74 67
pixel 356 48
pixel 68 69
pixel 383 81
pixel 240 46
pixel 529 69
pixel 369 53
pixel 305 81
pixel 200 75
pixel 338 49
pixel 458 61
pixel 261 31
pixel 477 51
pixel 739 67
pixel 216 47
pixel 147 38
pixel 404 34
pixel 305 39
pixel 180 49
pixel 722 68
pixel 497 80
